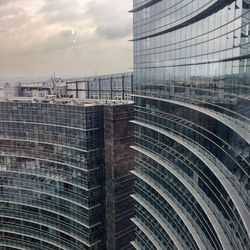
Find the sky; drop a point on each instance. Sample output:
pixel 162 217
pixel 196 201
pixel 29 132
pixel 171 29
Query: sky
pixel 68 37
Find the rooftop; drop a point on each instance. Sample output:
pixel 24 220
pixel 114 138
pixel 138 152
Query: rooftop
pixel 65 101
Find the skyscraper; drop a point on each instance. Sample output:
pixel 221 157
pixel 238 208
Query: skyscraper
pixel 55 171
pixel 192 109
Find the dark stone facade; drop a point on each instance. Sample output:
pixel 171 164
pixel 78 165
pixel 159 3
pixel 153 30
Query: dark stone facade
pixel 118 137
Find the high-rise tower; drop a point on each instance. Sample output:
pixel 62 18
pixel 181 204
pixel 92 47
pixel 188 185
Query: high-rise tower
pixel 61 186
pixel 192 104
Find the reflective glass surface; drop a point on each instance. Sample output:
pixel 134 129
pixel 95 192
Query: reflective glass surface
pixel 50 176
pixel 192 98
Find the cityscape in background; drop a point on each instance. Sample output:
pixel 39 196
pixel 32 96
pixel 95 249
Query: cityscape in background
pixel 157 158
pixel 113 86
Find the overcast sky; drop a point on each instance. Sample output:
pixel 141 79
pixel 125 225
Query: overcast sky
pixel 70 37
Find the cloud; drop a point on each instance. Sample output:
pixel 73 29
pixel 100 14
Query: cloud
pixel 113 31
pixel 63 11
pixel 67 36
pixel 3 2
pixel 110 18
pixel 11 18
pixel 14 27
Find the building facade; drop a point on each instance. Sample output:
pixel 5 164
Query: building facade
pixel 110 87
pixel 42 89
pixel 119 158
pixel 52 174
pixel 9 90
pixel 192 122
pixel 103 87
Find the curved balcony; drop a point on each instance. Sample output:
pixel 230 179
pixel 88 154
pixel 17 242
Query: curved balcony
pixel 188 223
pixel 75 219
pixel 22 245
pixel 240 126
pixel 136 245
pixel 57 229
pixel 57 178
pixel 79 195
pixel 40 237
pixel 215 217
pixel 148 233
pixel 220 171
pixel 33 123
pixel 53 207
pixel 233 154
pixel 66 197
pixel 30 156
pixel 204 154
pixel 171 233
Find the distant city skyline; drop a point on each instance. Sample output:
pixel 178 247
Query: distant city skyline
pixel 69 37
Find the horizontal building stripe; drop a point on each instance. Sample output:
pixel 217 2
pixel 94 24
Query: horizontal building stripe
pixel 51 178
pixel 56 244
pixel 180 213
pixel 235 196
pixel 11 246
pixel 49 143
pixel 52 211
pixel 76 237
pixel 160 221
pixel 158 245
pixel 135 245
pixel 144 6
pixel 47 160
pixel 53 195
pixel 239 127
pixel 220 231
pixel 217 6
pixel 49 125
pixel 236 58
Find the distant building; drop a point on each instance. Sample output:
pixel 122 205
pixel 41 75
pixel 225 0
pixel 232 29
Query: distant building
pixel 113 86
pixel 43 89
pixel 106 87
pixel 10 90
pixel 65 180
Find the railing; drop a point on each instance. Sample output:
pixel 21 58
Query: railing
pixel 236 118
pixel 199 237
pixel 220 218
pixel 203 152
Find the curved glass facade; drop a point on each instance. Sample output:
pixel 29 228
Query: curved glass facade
pixel 192 104
pixel 51 166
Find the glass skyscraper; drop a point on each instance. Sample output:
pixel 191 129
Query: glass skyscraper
pixel 55 171
pixel 50 176
pixel 192 106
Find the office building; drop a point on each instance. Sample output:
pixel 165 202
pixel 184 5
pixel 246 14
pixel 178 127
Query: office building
pixel 9 90
pixel 42 89
pixel 56 170
pixel 107 87
pixel 192 122
pixel 111 87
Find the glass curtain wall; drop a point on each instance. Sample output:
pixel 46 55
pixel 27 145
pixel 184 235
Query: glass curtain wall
pixel 192 103
pixel 51 167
